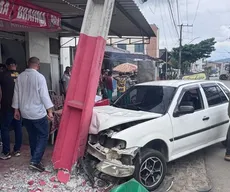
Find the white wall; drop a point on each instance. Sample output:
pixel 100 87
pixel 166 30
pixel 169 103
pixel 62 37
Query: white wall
pixel 39 46
pixel 65 51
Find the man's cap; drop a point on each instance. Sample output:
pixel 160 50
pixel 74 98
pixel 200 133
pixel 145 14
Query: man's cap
pixel 10 61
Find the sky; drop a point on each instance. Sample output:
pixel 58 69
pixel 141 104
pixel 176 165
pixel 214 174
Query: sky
pixel 210 18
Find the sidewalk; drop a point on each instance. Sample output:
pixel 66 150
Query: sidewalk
pixel 217 168
pixel 16 177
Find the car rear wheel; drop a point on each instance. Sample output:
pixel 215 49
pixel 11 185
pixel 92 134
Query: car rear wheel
pixel 150 169
pixel 223 77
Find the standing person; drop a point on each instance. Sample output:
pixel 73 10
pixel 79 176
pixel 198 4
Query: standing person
pixel 121 84
pixel 32 101
pixel 227 155
pixel 109 85
pixel 102 84
pixel 66 78
pixel 2 69
pixel 7 83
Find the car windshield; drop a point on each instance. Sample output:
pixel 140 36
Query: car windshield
pixel 154 99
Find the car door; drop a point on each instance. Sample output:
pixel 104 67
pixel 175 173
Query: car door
pixel 187 128
pixel 217 112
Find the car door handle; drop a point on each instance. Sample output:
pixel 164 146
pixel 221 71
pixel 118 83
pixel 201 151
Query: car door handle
pixel 205 118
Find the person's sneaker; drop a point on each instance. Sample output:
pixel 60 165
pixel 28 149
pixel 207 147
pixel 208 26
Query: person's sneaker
pixel 227 158
pixel 17 153
pixel 41 164
pixel 37 167
pixel 5 156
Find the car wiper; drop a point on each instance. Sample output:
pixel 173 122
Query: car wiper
pixel 115 105
pixel 137 107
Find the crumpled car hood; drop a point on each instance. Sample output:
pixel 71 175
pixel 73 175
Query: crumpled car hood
pixel 109 116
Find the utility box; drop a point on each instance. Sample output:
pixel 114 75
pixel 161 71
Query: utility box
pixel 146 71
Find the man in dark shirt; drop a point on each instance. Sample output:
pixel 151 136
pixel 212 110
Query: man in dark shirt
pixel 109 85
pixel 7 82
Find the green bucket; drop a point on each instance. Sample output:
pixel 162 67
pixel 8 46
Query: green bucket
pixel 130 186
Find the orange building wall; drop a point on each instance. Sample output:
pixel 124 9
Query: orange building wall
pixel 152 49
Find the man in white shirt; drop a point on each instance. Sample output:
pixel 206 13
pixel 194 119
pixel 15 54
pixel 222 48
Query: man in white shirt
pixel 32 101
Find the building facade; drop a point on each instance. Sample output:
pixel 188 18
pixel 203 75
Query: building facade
pixel 149 47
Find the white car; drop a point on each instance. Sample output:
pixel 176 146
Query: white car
pixel 155 123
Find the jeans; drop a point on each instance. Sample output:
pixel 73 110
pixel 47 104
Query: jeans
pixel 110 94
pixel 228 142
pixel 38 131
pixel 6 122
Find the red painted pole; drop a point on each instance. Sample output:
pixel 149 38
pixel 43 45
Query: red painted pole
pixel 77 112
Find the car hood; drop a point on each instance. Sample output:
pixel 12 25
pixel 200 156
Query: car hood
pixel 106 117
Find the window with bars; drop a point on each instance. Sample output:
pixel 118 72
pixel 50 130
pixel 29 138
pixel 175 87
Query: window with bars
pixel 122 46
pixel 139 48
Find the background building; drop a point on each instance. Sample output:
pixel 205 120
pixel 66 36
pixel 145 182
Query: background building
pixel 139 45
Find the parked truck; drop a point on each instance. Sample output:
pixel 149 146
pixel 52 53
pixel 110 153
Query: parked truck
pixel 224 71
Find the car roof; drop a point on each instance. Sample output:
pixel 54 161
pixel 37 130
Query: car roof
pixel 176 83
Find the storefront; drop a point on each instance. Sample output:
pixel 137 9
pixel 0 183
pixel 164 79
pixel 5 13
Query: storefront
pixel 41 27
pixel 30 30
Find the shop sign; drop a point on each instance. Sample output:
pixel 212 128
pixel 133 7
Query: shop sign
pixel 5 9
pixel 18 15
pixel 199 76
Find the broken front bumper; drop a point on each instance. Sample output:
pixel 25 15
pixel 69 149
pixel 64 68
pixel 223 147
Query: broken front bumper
pixel 111 163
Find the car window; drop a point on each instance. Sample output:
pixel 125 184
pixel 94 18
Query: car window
pixel 147 98
pixel 227 92
pixel 215 95
pixel 192 97
pixel 222 95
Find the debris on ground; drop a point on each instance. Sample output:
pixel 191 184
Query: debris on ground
pixel 23 179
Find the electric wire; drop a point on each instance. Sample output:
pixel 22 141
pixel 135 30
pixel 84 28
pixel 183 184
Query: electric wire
pixel 163 23
pixel 197 7
pixel 165 12
pixel 172 17
pixel 178 11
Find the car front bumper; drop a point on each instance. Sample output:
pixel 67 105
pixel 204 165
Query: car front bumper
pixel 110 160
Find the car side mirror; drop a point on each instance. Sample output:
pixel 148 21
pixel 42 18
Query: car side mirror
pixel 183 110
pixel 186 109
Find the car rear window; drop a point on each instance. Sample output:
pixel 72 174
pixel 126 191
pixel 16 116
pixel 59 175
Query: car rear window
pixel 214 95
pixel 227 92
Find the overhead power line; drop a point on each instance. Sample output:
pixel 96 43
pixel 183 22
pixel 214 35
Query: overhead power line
pixel 163 23
pixel 187 11
pixel 197 7
pixel 168 26
pixel 172 17
pixel 178 11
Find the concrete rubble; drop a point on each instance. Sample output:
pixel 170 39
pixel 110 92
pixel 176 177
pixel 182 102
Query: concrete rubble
pixel 189 175
pixel 25 180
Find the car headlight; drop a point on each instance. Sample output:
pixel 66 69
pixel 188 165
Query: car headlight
pixel 111 143
pixel 121 144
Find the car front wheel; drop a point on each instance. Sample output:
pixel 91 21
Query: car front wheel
pixel 150 169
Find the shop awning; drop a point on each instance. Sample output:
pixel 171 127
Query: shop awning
pixel 19 15
pixel 127 19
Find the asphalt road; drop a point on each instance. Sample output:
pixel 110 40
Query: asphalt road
pixel 217 169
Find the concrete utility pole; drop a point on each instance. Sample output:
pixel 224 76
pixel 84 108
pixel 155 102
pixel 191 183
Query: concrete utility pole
pixel 180 47
pixel 80 99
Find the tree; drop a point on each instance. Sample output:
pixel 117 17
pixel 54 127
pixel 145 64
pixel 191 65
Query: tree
pixel 193 52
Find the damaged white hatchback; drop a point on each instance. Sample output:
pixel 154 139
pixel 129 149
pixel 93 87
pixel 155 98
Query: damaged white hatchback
pixel 157 122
